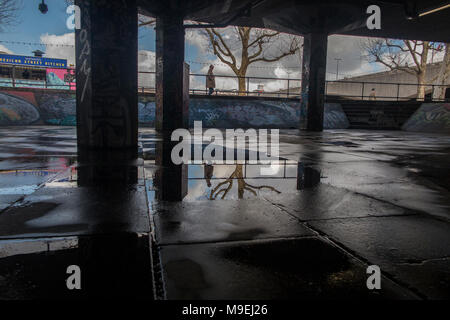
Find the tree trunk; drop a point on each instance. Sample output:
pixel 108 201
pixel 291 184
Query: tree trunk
pixel 422 72
pixel 242 86
pixel 421 87
pixel 443 76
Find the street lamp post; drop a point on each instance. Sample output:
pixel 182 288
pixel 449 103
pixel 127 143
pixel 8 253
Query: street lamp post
pixel 337 67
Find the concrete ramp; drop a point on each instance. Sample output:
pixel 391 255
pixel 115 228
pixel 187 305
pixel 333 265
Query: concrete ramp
pixel 334 117
pixel 378 115
pixel 430 117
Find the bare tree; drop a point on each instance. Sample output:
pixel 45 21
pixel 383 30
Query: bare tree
pixel 443 77
pixel 410 56
pixel 242 185
pixel 146 21
pixel 246 45
pixel 9 12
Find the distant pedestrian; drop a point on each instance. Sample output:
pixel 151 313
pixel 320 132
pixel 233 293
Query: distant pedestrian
pixel 210 80
pixel 372 95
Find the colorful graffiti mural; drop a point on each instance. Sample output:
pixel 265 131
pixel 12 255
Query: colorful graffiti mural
pixel 27 107
pixel 58 109
pixel 55 79
pixel 430 117
pixel 146 110
pixel 17 108
pixel 233 113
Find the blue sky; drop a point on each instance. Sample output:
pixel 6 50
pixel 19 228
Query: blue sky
pixel 32 24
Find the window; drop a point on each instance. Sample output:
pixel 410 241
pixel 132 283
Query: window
pixel 5 72
pixel 29 73
pixel 37 74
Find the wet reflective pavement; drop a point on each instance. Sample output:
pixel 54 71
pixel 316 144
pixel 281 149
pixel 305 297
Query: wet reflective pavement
pixel 341 200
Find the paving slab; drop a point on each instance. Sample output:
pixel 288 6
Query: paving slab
pixel 207 221
pixel 63 207
pixel 328 202
pixel 400 246
pixel 305 268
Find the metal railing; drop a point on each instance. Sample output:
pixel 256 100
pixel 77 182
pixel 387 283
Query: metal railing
pixel 198 87
pixel 338 89
pixel 37 84
pixel 362 90
pixel 146 85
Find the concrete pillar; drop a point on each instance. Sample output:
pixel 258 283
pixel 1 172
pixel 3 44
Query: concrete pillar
pixel 106 61
pixel 307 176
pixel 172 98
pixel 313 81
pixel 171 87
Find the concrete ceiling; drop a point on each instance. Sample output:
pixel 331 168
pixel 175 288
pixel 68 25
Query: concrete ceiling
pixel 347 17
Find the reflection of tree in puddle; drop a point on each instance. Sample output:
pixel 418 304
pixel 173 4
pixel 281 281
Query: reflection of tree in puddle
pixel 225 186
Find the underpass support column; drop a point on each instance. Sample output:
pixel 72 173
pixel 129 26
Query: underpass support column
pixel 106 69
pixel 172 98
pixel 313 81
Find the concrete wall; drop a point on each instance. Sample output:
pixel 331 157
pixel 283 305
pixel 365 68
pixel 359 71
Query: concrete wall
pixel 387 89
pixel 56 107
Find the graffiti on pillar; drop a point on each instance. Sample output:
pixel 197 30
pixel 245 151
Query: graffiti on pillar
pixel 304 108
pixel 304 96
pixel 85 69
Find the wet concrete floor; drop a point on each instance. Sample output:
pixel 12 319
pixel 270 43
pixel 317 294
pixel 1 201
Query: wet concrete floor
pixel 340 201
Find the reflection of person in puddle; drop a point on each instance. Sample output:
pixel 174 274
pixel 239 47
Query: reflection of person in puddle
pixel 208 170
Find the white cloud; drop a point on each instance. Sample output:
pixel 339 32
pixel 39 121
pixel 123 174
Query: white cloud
pixel 280 72
pixel 349 49
pixel 60 46
pixel 197 38
pixel 5 49
pixel 146 62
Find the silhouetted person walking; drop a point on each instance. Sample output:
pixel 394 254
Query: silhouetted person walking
pixel 210 80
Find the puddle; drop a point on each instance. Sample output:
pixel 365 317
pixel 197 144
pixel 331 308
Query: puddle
pixel 234 181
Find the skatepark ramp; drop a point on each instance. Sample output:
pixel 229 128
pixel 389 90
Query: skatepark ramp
pixel 388 115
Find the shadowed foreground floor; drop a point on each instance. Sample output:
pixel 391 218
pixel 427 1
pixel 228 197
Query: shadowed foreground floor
pixel 342 200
